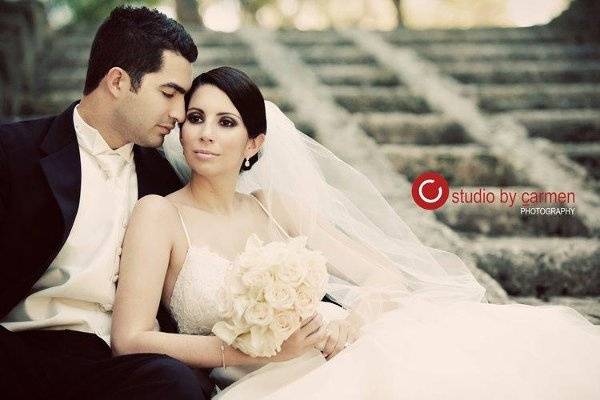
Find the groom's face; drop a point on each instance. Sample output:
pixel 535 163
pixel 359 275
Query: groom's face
pixel 148 115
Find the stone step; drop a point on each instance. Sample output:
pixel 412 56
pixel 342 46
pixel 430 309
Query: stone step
pixel 586 154
pixel 561 125
pixel 468 52
pixel 541 267
pixel 524 71
pixel 476 35
pixel 356 75
pixel 461 165
pixel 312 38
pixel 275 95
pixel 497 98
pixel 206 38
pixel 336 55
pixel 497 218
pixel 588 306
pixel 405 128
pixel 370 99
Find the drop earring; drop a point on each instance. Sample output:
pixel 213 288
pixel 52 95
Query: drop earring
pixel 246 162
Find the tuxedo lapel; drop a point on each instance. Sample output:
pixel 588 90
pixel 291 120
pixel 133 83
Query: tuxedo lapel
pixel 144 170
pixel 62 167
pixel 154 174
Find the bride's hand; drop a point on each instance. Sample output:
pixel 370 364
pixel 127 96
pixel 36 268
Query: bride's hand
pixel 339 335
pixel 308 335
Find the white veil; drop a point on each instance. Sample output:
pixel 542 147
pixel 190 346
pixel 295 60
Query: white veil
pixel 375 260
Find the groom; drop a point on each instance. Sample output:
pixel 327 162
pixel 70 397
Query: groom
pixel 67 185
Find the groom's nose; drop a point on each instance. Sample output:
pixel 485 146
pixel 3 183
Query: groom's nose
pixel 177 111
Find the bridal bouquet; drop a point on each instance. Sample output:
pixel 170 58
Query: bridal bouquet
pixel 268 290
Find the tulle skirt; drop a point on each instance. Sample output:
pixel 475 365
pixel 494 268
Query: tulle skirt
pixel 463 350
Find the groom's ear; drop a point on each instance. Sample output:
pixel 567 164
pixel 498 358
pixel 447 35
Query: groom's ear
pixel 117 81
pixel 256 143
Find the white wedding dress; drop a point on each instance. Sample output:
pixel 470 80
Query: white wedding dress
pixel 422 350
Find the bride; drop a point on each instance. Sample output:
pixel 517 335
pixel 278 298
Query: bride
pixel 412 324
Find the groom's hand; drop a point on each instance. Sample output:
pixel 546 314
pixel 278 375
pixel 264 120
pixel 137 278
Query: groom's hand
pixel 340 334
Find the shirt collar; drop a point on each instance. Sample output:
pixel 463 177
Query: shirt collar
pixel 92 141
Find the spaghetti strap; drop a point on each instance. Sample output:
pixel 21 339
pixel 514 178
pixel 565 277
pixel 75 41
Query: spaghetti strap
pixel 187 236
pixel 270 216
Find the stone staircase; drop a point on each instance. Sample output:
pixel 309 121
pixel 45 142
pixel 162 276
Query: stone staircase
pixel 512 109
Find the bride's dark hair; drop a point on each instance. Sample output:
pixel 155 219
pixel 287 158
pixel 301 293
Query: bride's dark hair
pixel 243 93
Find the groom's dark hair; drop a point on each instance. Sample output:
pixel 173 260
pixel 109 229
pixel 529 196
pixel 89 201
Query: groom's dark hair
pixel 134 38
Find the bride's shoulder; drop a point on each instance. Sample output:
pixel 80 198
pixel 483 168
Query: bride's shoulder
pixel 154 207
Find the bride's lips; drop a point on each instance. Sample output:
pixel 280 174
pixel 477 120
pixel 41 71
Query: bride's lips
pixel 205 154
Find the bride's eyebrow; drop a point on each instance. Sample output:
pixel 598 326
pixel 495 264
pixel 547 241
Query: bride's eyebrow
pixel 221 113
pixel 227 113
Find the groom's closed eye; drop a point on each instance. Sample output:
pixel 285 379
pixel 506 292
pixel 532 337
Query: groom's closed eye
pixel 169 90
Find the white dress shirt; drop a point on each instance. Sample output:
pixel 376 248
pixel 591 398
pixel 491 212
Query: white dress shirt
pixel 77 290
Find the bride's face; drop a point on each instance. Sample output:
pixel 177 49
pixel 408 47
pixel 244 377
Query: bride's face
pixel 214 138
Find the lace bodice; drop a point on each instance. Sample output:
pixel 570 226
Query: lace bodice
pixel 195 296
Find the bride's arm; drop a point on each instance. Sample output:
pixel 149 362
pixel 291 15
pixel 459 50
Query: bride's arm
pixel 146 254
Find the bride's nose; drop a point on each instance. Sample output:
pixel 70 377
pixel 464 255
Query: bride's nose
pixel 207 132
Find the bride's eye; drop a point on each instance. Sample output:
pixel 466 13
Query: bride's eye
pixel 194 118
pixel 228 123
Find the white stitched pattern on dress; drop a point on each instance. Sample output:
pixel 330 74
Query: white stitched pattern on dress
pixel 194 299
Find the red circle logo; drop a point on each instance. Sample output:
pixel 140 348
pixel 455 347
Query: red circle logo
pixel 430 190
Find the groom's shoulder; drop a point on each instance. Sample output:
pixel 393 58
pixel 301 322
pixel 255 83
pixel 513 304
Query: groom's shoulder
pixel 21 133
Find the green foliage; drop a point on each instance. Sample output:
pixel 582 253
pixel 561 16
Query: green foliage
pixel 93 11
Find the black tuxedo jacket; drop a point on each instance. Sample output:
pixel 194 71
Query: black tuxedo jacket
pixel 40 184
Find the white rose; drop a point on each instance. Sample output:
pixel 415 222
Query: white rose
pixel 316 277
pixel 240 304
pixel 280 295
pixel 228 332
pixel 257 278
pixel 274 254
pixel 284 324
pixel 259 314
pixel 306 301
pixel 248 260
pixel 298 242
pixel 233 282
pixel 292 272
pixel 255 294
pixel 259 342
